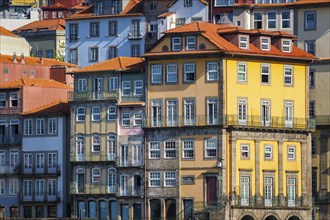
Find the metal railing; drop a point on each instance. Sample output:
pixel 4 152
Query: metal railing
pixel 40 197
pixel 104 189
pixel 92 95
pixel 273 202
pixel 42 171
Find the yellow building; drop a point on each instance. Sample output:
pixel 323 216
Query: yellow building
pixel 227 125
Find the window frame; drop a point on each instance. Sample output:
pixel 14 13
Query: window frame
pixel 291 154
pixel 190 149
pixel 96 177
pixel 170 150
pixel 154 147
pixel 96 115
pixel 268 152
pixel 171 73
pixel 306 27
pixel 308 43
pixel 208 148
pixel 190 72
pixel 13 99
pixel 93 54
pixel 113 28
pixel 52 126
pixel 125 117
pixel 169 177
pixel 265 74
pixel 271 20
pixel 158 74
pixel 191 45
pixel 138 88
pixel 267 45
pixel 80 115
pixel 82 85
pixel 111 115
pixel 245 151
pixel 94 29
pixel 113 83
pixel 3 98
pixel 154 179
pixel 28 126
pixel 286 48
pixel 96 143
pixel 257 20
pixel 286 76
pixel 40 126
pixel 176 46
pixel 241 42
pixel 244 73
pixel 211 72
pixel 285 20
pixel 113 52
pixel 126 88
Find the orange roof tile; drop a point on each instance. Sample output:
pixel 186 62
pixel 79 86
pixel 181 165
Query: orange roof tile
pixel 55 6
pixel 34 61
pixel 115 64
pixel 174 1
pixel 53 107
pixel 48 83
pixel 286 4
pixel 5 32
pixel 166 14
pixel 51 24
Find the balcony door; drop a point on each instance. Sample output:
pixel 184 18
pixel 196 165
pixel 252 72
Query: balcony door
pixel 265 113
pixel 80 180
pixel 124 155
pixel 211 190
pixel 288 117
pixel 97 88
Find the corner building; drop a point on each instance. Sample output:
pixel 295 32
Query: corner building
pixel 227 130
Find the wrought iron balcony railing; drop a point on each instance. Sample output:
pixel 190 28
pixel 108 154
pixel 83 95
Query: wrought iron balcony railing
pixel 104 189
pixel 275 201
pixel 42 196
pixel 92 95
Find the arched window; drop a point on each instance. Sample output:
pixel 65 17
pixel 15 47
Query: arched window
pixel 111 145
pixel 80 116
pixel 96 175
pixel 112 180
pixel 80 148
pixel 111 113
pixel 103 209
pixel 96 113
pixel 92 209
pixel 96 144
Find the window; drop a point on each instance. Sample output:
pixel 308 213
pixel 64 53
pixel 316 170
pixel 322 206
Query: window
pixel 111 147
pixel 52 126
pixel 310 47
pixel 242 111
pixel 188 3
pixel 13 99
pixel 113 27
pixel 113 52
pixel 2 161
pixel 286 46
pixel 94 54
pixel 96 144
pixel 311 78
pixel 73 32
pixel 224 2
pixel 171 112
pixel 245 190
pixel 73 56
pixel 291 191
pixel 268 152
pixel 49 54
pixel 191 43
pixel 125 119
pixel 271 20
pixel 96 113
pixel 189 72
pixel 156 74
pixel 245 151
pixel 96 175
pixel 313 146
pixel 265 74
pixel 285 19
pixel 13 186
pixel 39 187
pixel 113 83
pixel 243 42
pixel 179 22
pixel 99 9
pixel 188 180
pixel 257 20
pixel 135 50
pixel 40 160
pixel 80 114
pixel 137 117
pixel 311 109
pixel 171 73
pixel 188 149
pixel 169 179
pixel 153 6
pixel 212 111
pixel 2 100
pixel 288 114
pixel 212 71
pixel 51 187
pixel 28 127
pixel 211 148
pixel 310 20
pixel 154 179
pixel 126 88
pixel 176 43
pixel 288 76
pixel 156 113
pixel 94 29
pixel 112 115
pixel 265 112
pixel 268 191
pixel 189 112
pixel 2 186
pixel 82 85
pixel 170 149
pixel 28 161
pixel 154 150
pixel 135 29
pixel 265 44
pixel 116 7
pixel 314 184
pixel 40 126
pixel 52 160
pixel 27 187
pixel 241 72
pixel 292 153
pixel 138 87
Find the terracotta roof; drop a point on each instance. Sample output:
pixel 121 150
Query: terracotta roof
pixel 53 107
pixel 80 7
pixel 55 6
pixel 215 34
pixel 34 61
pixel 115 64
pixel 51 25
pixel 5 32
pixel 166 14
pixel 286 4
pixel 48 83
pixel 174 1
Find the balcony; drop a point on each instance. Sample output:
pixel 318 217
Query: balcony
pixel 93 157
pixel 250 121
pixel 56 170
pixel 104 189
pixel 92 95
pixel 128 191
pixel 11 170
pixel 6 140
pixel 274 202
pixel 39 197
pixel 126 162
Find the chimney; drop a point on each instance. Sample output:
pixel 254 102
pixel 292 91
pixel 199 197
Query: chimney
pixel 22 58
pixel 14 57
pixel 41 61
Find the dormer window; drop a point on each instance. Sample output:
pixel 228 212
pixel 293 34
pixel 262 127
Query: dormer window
pixel 265 43
pixel 243 41
pixel 286 46
pixel 116 7
pixel 191 43
pixel 176 43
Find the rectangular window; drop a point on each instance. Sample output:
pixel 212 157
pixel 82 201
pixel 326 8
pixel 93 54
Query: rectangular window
pixel 40 160
pixel 113 27
pixel 39 187
pixel 52 126
pixel 212 71
pixel 176 43
pixel 212 111
pixel 51 187
pixel 156 113
pixel 113 52
pixel 311 109
pixel 171 113
pixel 171 73
pixel 135 49
pixel 310 20
pixel 156 74
pixel 245 190
pixel 28 161
pixel 291 192
pixel 188 3
pixel 245 151
pixel 191 43
pixel 13 99
pixel 211 148
pixel 94 54
pixel 2 161
pixel 313 146
pixel 82 85
pixel 28 127
pixel 288 114
pixel 257 17
pixel 224 2
pixel 40 126
pixel 286 46
pixel 2 100
pixel 188 180
pixel 126 88
pixel 13 186
pixel 189 112
pixel 94 30
pixel 265 74
pixel 125 119
pixel 135 29
pixel 154 179
pixel 265 45
pixel 268 184
pixel 137 119
pixel 292 153
pixel 285 19
pixel 27 187
pixel 288 76
pixel 112 115
pixel 180 22
pixel 169 179
pixel 311 78
pixel 154 150
pixel 310 47
pixel 73 56
pixel 188 149
pixel 189 72
pixel 73 32
pixel 138 87
pixel 243 42
pixel 271 20
pixel 241 72
pixel 52 160
pixel 242 111
pixel 116 7
pixel 268 152
pixel 99 8
pixel 170 150
pixel 96 113
pixel 2 186
pixel 113 83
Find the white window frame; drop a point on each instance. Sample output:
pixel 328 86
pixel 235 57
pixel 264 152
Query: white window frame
pixel 286 45
pixel 2 100
pixel 265 72
pixel 135 28
pixel 189 69
pixel 156 73
pixel 176 43
pixel 126 88
pixel 138 87
pixel 169 179
pixel 154 179
pixel 80 116
pixel 241 74
pixel 52 126
pixel 265 43
pixel 111 113
pixel 96 176
pixel 288 78
pixel 82 85
pixel 171 112
pixel 96 143
pixel 113 83
pixel 285 20
pixel 40 126
pixel 245 151
pixel 271 20
pixel 51 187
pixel 170 149
pixel 212 69
pixel 190 43
pixel 137 118
pixel 94 54
pixel 245 190
pixel 171 73
pixel 257 20
pixel 39 187
pixel 242 111
pixel 125 119
pixel 268 152
pixel 212 111
pixel 291 184
pixel 291 152
pixel 13 98
pixel 27 187
pixel 96 113
pixel 13 186
pixel 189 112
pixel 211 145
pixel 268 191
pixel 28 126
pixel 156 113
pixel 154 150
pixel 52 160
pixel 188 149
pixel 40 160
pixel 243 42
pixel 306 26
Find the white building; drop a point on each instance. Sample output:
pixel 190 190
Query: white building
pixel 11 43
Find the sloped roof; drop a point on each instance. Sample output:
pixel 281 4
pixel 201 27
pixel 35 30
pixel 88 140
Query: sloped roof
pixel 285 4
pixel 115 64
pixel 5 32
pixel 50 24
pixel 166 14
pixel 48 83
pixel 50 108
pixel 174 1
pixel 55 6
pixel 34 61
